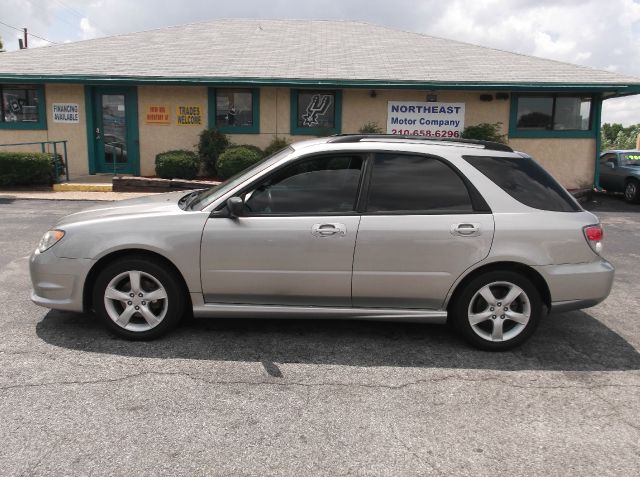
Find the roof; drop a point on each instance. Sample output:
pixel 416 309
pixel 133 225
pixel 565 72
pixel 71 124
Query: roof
pixel 297 52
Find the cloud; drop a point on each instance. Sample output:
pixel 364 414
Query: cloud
pixel 588 32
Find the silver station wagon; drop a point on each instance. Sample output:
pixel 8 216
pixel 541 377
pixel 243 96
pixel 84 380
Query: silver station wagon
pixel 354 226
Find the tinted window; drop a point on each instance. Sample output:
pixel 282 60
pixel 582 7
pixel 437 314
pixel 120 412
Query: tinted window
pixel 631 158
pixel 554 112
pixel 527 182
pixel 315 186
pixel 415 183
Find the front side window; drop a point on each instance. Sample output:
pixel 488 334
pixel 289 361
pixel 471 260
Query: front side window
pixel 526 181
pixel 552 113
pixel 234 110
pixel 322 185
pixel 315 112
pixel 21 106
pixel 419 184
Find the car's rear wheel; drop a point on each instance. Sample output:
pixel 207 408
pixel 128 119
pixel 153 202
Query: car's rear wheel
pixel 632 191
pixel 138 299
pixel 497 310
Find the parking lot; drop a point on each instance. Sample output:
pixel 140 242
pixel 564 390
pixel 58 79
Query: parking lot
pixel 278 397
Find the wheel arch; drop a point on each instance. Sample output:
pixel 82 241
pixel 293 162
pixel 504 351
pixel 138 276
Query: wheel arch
pixel 529 272
pixel 87 292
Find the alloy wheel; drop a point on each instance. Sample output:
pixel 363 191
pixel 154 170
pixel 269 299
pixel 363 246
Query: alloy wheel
pixel 136 301
pixel 630 192
pixel 499 311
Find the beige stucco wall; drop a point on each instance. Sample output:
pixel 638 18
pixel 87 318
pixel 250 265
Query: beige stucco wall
pixel 156 138
pixel 570 161
pixel 74 133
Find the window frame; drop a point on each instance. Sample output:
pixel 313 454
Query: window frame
pixel 42 108
pixel 478 203
pixel 255 107
pixel 514 132
pixel 301 131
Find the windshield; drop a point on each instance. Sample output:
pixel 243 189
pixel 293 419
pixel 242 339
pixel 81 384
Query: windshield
pixel 205 197
pixel 631 158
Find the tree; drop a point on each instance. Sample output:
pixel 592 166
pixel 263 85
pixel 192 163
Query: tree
pixel 1 45
pixel 616 136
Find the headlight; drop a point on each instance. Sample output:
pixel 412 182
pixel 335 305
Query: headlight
pixel 49 239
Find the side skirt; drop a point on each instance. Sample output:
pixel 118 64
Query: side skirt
pixel 224 310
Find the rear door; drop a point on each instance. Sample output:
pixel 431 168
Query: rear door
pixel 419 232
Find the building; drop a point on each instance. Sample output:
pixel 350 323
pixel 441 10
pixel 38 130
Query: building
pixel 121 100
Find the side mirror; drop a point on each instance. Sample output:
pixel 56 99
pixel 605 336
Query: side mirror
pixel 611 165
pixel 235 206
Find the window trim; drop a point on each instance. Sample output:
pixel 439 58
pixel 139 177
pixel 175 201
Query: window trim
pixel 255 107
pixel 514 132
pixel 42 109
pixel 299 131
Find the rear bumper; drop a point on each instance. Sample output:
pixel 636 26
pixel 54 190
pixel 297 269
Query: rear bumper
pixel 58 282
pixel 576 286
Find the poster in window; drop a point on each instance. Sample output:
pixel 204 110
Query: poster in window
pixel 316 110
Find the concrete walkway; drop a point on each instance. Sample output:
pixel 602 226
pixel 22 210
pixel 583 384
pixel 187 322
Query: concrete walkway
pixel 69 195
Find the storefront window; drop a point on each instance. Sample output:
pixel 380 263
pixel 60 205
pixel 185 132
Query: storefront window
pixel 21 106
pixel 234 110
pixel 315 112
pixel 553 113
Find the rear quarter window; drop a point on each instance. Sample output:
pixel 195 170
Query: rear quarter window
pixel 526 181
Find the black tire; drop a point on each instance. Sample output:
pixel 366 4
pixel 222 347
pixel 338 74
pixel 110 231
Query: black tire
pixel 153 273
pixel 459 310
pixel 632 191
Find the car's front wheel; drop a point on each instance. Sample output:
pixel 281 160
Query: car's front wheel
pixel 138 299
pixel 497 310
pixel 632 191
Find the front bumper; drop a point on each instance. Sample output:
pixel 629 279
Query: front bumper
pixel 579 285
pixel 58 283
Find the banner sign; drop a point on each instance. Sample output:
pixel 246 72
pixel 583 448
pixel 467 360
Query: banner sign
pixel 415 118
pixel 157 114
pixel 66 113
pixel 189 115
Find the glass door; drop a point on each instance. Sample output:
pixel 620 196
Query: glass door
pixel 115 133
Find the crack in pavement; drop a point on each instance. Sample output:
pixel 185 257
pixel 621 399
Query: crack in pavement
pixel 331 384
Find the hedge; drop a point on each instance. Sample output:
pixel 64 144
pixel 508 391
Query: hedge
pixel 276 144
pixel 179 164
pixel 234 160
pixel 28 168
pixel 211 144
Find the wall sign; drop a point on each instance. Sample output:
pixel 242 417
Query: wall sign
pixel 189 116
pixel 66 113
pixel 433 119
pixel 157 114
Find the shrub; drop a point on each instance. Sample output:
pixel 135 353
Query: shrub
pixel 28 168
pixel 276 144
pixel 212 143
pixel 255 149
pixel 178 164
pixel 234 160
pixel 370 127
pixel 485 132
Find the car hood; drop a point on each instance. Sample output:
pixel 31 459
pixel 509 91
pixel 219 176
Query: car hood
pixel 148 205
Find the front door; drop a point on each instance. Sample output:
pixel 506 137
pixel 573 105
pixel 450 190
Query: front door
pixel 116 131
pixel 294 244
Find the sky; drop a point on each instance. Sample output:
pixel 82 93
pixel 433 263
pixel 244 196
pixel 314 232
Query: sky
pixel 603 34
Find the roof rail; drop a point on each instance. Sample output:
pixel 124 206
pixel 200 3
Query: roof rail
pixel 346 138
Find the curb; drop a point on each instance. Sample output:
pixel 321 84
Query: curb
pixel 79 187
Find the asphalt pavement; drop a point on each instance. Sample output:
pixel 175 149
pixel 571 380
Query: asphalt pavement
pixel 291 398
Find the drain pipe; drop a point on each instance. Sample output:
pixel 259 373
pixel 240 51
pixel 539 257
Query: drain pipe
pixel 597 127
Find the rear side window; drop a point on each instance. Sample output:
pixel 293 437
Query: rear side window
pixel 413 183
pixel 526 181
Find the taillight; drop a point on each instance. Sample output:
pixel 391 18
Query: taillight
pixel 594 235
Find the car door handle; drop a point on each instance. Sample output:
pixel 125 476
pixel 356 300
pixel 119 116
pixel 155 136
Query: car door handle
pixel 329 230
pixel 466 229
